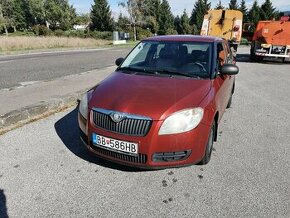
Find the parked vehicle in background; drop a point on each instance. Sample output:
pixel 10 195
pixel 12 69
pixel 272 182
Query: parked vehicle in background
pixel 271 39
pixel 226 24
pixel 163 104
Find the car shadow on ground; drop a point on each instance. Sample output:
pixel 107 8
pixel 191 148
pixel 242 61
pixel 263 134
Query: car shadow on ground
pixel 68 131
pixel 3 207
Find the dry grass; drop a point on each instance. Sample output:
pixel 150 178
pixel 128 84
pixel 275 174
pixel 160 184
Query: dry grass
pixel 20 43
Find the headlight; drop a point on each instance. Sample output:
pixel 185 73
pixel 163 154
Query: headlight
pixel 181 121
pixel 83 107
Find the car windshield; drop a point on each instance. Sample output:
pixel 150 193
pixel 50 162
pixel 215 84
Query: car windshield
pixel 189 59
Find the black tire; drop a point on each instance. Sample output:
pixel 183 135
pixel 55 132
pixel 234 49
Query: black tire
pixel 254 46
pixel 231 97
pixel 259 58
pixel 209 145
pixel 230 101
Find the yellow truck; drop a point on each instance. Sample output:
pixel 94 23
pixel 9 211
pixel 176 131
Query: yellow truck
pixel 226 24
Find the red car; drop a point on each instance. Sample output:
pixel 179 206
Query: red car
pixel 163 104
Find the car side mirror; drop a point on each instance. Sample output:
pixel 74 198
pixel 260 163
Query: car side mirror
pixel 229 69
pixel 119 61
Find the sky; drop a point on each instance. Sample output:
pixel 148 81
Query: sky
pixel 177 6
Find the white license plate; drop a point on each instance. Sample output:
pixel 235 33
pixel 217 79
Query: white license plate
pixel 114 144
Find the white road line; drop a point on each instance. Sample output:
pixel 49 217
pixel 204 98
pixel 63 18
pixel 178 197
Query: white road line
pixel 4 62
pixel 53 52
pixel 27 83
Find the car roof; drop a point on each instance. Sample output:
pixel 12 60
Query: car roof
pixel 184 38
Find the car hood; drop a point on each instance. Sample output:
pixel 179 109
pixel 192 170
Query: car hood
pixel 152 96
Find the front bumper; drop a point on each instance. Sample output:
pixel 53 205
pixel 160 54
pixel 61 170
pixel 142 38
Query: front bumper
pixel 155 151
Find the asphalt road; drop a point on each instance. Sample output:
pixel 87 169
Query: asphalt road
pixel 24 69
pixel 44 172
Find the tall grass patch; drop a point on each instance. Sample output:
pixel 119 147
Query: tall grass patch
pixel 18 43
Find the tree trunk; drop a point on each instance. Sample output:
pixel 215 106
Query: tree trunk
pixel 6 30
pixel 14 29
pixel 135 33
pixel 47 24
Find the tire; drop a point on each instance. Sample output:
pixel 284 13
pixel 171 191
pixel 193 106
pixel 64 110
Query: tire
pixel 230 101
pixel 209 146
pixel 253 56
pixel 259 58
pixel 231 97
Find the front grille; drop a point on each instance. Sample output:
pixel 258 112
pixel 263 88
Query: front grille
pixel 139 159
pixel 171 156
pixel 131 125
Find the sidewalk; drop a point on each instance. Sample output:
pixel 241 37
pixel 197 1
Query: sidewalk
pixel 25 104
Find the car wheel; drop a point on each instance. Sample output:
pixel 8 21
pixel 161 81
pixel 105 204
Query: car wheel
pixel 230 101
pixel 231 97
pixel 209 145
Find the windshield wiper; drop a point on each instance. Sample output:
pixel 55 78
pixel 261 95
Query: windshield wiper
pixel 130 69
pixel 173 72
pixel 139 70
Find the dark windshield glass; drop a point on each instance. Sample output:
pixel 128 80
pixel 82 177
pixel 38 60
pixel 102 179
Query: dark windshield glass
pixel 188 58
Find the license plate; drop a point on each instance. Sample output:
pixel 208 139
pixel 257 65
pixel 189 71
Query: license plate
pixel 114 144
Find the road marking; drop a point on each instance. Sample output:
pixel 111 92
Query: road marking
pixel 59 52
pixel 117 50
pixel 27 83
pixel 4 62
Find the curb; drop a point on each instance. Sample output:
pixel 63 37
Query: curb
pixel 20 117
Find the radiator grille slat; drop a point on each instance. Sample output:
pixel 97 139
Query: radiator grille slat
pixel 128 126
pixel 140 159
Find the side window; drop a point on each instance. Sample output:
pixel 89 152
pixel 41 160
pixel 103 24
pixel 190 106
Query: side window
pixel 228 52
pixel 221 55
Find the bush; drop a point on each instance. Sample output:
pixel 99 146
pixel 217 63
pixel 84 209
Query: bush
pixel 41 30
pixel 100 35
pixel 142 33
pixel 75 33
pixel 24 33
pixel 59 33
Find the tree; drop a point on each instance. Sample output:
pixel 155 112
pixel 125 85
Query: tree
pixel 123 23
pixel 177 25
pixel 134 11
pixel 19 15
pixel 153 8
pixel 6 14
pixel 101 16
pixel 83 19
pixel 268 12
pixel 199 10
pixel 36 12
pixel 233 5
pixel 59 14
pixel 184 21
pixel 244 10
pixel 219 6
pixel 254 13
pixel 143 13
pixel 152 14
pixel 3 22
pixel 166 19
